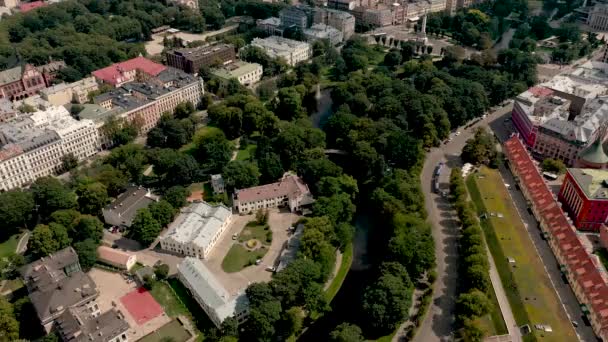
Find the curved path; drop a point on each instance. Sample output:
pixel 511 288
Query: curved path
pixel 437 324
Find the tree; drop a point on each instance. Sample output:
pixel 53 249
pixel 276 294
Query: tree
pixel 92 197
pixel 228 119
pixel 183 110
pixel 161 271
pixel 386 302
pixel 16 207
pixel 68 218
pixel 472 305
pixel 328 186
pixel 240 174
pixel 51 195
pixel 339 208
pixel 393 58
pixel 176 196
pixel 9 326
pixel 129 159
pixel 553 165
pixel 145 228
pixel 60 235
pixel 262 320
pixel 114 180
pixel 346 332
pixel 69 161
pixel 230 327
pixel 162 211
pixel 42 242
pixel 87 253
pixel 477 278
pixel 88 228
pixel 213 150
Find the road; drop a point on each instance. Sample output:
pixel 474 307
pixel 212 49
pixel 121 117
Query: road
pixel 437 324
pixel 22 244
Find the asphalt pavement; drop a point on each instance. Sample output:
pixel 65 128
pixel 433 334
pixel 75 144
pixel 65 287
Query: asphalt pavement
pixel 438 322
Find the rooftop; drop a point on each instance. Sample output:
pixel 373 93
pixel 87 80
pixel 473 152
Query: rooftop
pixel 28 6
pixel 125 206
pixel 11 75
pixel 209 290
pixel 592 181
pixel 278 44
pixel 113 73
pixel 236 69
pixel 113 256
pixel 290 185
pixel 78 325
pixel 198 224
pixel 192 53
pixel 95 113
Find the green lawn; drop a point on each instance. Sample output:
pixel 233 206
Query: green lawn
pixel 238 257
pixel 529 290
pixel 167 299
pixel 7 248
pixel 247 153
pixel 255 231
pixel 336 283
pixel 173 329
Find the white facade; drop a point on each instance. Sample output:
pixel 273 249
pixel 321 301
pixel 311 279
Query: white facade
pixel 292 51
pixel 210 294
pixel 197 229
pixel 598 17
pixel 322 31
pixel 33 147
pixel 290 191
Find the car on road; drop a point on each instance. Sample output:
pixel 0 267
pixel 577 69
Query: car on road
pixel 259 261
pixel 458 133
pixel 484 116
pixel 271 269
pixel 575 324
pixel 234 236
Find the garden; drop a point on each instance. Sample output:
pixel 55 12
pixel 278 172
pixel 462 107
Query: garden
pixel 250 245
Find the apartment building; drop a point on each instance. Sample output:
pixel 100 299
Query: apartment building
pixel 79 324
pixel 34 146
pixel 343 5
pixel 136 69
pixel 20 82
pixel 145 102
pixel 322 31
pixel 197 229
pixel 290 192
pixel 292 51
pixel 7 110
pixel 578 265
pixel 246 73
pixel 192 59
pixel 342 21
pixel 295 17
pixel 379 17
pixel 271 26
pixel 64 93
pixel 210 294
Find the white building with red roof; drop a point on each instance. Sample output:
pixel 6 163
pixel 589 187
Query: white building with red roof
pixel 584 274
pixel 135 69
pixel 290 191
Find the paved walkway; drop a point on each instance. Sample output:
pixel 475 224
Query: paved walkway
pixel 22 244
pixel 503 301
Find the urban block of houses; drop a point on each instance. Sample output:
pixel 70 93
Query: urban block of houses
pixel 34 146
pixel 217 184
pixel 561 118
pixel 191 60
pixel 7 110
pixel 56 283
pixel 290 191
pixel 122 210
pixel 210 294
pixel 581 268
pixel 116 258
pixel 197 229
pixel 135 69
pixel 584 196
pixel 245 73
pixel 26 80
pixel 145 102
pixel 292 51
pixel 64 93
pixel 322 31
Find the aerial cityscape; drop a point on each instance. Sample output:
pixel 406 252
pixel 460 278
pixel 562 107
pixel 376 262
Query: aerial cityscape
pixel 320 170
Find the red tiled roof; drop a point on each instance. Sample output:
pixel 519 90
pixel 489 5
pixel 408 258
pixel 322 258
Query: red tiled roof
pixel 570 249
pixel 28 6
pixel 113 255
pixel 112 73
pixel 539 91
pixel 289 186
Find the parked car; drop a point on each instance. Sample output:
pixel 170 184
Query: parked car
pixel 271 269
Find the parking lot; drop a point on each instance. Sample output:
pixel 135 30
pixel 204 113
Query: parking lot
pixel 112 286
pixel 279 222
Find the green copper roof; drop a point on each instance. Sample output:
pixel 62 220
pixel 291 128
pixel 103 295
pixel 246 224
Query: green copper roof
pixel 595 153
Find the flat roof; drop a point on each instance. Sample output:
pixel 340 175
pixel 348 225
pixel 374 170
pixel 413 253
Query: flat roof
pixel 593 182
pixel 236 69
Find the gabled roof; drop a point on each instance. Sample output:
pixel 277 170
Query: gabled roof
pixel 594 154
pixel 113 73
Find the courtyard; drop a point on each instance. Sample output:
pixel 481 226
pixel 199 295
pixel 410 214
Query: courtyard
pixel 279 222
pixel 112 287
